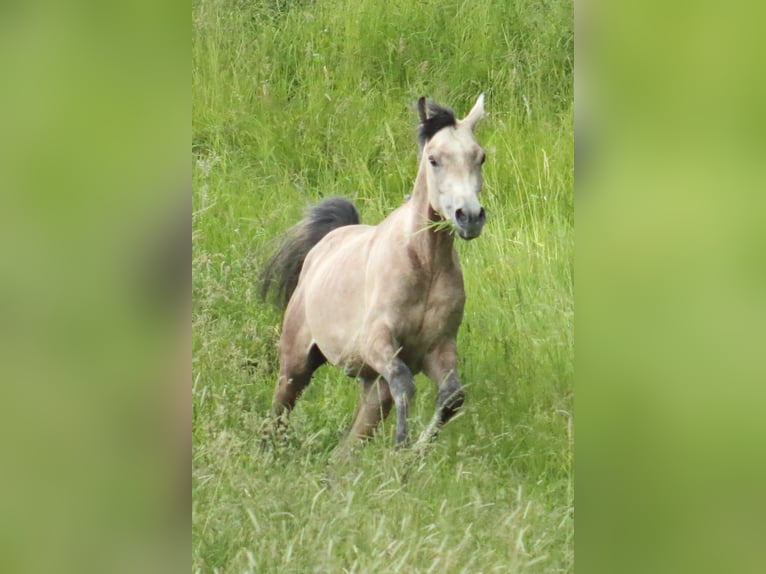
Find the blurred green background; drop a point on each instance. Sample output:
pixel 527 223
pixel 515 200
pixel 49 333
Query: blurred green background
pixel 670 288
pixel 94 186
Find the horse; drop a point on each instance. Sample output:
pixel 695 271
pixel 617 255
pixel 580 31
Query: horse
pixel 384 302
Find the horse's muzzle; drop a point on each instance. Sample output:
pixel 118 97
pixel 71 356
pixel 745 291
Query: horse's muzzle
pixel 469 224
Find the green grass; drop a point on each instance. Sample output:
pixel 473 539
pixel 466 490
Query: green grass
pixel 295 101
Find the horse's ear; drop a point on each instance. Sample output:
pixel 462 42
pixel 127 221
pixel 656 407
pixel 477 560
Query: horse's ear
pixel 476 113
pixel 422 109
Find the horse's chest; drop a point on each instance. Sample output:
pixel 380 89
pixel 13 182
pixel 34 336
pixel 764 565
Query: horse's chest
pixel 431 315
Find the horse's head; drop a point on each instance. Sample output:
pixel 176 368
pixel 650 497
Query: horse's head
pixel 453 161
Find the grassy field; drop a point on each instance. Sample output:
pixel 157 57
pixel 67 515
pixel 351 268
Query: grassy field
pixel 298 100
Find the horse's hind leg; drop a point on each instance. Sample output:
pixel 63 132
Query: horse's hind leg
pixel 295 373
pixel 299 357
pixel 375 403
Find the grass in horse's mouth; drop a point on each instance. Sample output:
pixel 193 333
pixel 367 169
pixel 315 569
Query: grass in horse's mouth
pixel 438 225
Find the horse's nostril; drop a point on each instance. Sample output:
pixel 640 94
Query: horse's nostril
pixel 460 215
pixel 482 214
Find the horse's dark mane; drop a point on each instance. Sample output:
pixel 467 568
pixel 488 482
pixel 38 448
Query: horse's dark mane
pixel 438 117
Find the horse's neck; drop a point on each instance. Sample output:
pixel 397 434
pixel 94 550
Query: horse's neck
pixel 431 243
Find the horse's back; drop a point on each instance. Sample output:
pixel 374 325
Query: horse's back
pixel 338 249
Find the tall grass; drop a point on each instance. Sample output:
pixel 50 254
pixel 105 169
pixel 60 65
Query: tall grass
pixel 297 100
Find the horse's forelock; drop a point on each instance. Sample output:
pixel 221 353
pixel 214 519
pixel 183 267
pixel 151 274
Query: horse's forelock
pixel 439 117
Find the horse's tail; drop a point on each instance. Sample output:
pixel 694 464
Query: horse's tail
pixel 284 267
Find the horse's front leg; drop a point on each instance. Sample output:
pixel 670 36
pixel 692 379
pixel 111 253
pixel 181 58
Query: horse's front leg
pixel 383 358
pixel 402 385
pixel 440 365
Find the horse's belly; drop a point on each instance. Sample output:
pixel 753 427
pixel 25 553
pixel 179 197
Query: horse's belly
pixel 336 333
pixel 334 312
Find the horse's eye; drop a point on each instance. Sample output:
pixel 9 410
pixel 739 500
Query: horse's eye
pixel 432 161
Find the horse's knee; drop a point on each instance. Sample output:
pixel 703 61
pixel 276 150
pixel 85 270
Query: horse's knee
pixel 401 382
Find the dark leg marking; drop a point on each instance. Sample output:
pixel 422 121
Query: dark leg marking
pixel 402 385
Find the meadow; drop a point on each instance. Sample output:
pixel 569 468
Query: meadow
pixel 294 101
